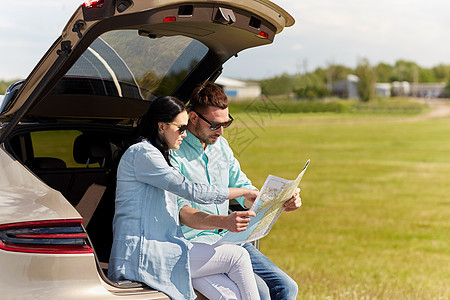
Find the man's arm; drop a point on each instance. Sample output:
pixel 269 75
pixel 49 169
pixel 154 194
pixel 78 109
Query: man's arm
pixel 235 222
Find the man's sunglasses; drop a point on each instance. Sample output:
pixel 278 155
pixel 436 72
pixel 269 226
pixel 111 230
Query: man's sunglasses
pixel 213 125
pixel 181 128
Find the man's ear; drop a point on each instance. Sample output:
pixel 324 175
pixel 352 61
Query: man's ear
pixel 193 117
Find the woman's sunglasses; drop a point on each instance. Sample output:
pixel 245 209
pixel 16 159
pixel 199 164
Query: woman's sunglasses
pixel 181 128
pixel 213 125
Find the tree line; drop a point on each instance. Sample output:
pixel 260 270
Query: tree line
pixel 316 84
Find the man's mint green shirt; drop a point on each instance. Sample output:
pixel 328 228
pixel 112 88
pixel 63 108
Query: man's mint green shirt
pixel 214 165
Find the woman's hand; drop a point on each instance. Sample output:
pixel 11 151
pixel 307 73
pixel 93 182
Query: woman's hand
pixel 250 197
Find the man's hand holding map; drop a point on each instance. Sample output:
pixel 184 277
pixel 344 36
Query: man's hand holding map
pixel 268 206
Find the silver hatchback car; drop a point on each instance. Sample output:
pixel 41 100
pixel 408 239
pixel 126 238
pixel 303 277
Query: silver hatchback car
pixel 63 129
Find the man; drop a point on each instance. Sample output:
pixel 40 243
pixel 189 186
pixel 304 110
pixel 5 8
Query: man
pixel 205 156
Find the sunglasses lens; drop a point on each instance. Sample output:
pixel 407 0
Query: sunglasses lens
pixel 182 128
pixel 215 126
pixel 227 124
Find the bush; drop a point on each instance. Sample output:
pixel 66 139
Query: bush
pixel 311 86
pixel 284 105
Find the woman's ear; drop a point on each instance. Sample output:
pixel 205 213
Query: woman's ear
pixel 161 126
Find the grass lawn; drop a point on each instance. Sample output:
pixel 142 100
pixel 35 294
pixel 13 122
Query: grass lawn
pixel 375 220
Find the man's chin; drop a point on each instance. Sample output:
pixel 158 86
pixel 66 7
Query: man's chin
pixel 212 140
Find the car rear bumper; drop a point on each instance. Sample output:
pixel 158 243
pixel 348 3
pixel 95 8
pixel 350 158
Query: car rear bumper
pixel 67 276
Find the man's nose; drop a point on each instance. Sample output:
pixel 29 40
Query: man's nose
pixel 220 130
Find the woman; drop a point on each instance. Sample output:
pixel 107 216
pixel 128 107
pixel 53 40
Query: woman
pixel 148 244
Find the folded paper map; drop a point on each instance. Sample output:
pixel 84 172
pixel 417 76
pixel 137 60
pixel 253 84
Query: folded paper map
pixel 268 206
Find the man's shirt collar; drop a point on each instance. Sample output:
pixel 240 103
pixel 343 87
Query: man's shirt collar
pixel 194 142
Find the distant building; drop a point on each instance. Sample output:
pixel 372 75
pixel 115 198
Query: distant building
pixel 239 89
pixel 346 88
pixel 429 90
pixel 383 89
pixel 401 88
pixel 426 90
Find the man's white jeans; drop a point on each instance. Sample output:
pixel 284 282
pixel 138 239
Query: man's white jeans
pixel 222 271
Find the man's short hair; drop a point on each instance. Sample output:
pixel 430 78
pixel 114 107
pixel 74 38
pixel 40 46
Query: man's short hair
pixel 208 94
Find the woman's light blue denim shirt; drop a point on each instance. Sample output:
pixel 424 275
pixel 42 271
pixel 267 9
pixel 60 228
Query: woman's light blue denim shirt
pixel 148 244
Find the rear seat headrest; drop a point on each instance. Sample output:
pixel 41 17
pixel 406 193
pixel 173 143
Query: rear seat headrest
pixel 42 163
pixel 89 149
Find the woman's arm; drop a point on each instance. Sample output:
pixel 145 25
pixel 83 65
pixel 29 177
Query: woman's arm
pixel 150 167
pixel 249 194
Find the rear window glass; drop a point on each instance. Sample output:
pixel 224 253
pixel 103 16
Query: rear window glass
pixel 125 64
pixel 57 144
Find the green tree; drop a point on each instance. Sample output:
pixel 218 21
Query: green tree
pixel 279 85
pixel 441 72
pixel 339 72
pixel 335 73
pixel 311 86
pixel 384 72
pixel 404 70
pixel 426 75
pixel 367 78
pixel 447 88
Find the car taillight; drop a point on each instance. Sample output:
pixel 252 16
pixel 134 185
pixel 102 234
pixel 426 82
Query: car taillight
pixel 94 3
pixel 263 35
pixel 52 236
pixel 169 19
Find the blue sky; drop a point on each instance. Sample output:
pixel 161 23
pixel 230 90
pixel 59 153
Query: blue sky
pixel 326 32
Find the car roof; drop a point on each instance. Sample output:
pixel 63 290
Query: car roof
pixel 224 27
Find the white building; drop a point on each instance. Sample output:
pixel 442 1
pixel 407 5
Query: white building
pixel 383 89
pixel 346 88
pixel 429 90
pixel 239 89
pixel 401 88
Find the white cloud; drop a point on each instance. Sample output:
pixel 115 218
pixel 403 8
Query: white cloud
pixel 6 24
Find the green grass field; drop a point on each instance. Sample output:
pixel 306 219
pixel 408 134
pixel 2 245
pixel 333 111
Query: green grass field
pixel 375 220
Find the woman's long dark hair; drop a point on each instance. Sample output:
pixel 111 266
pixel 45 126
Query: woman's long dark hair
pixel 162 109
